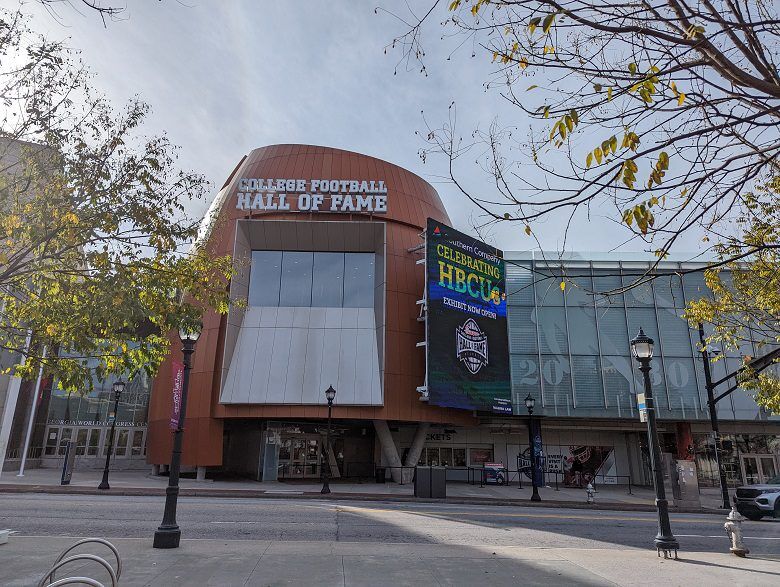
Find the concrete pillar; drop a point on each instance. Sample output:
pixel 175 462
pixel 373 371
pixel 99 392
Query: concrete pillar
pixel 200 475
pixel 156 470
pixel 334 464
pixel 389 449
pixel 7 418
pixel 413 456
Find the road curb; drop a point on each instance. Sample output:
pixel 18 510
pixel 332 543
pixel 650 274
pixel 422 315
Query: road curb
pixel 335 496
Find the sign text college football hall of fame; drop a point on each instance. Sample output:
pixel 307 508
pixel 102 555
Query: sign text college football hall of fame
pixel 467 345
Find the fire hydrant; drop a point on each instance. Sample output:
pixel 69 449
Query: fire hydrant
pixel 590 491
pixel 733 527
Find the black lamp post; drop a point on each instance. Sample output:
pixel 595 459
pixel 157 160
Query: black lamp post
pixel 529 405
pixel 118 387
pixel 168 533
pixel 724 488
pixel 642 348
pixel 330 394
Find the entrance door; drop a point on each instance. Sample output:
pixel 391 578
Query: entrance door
pixel 758 469
pixel 299 456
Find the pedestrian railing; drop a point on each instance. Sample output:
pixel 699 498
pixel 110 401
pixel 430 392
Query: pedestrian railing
pixel 471 475
pixel 49 581
pixel 34 452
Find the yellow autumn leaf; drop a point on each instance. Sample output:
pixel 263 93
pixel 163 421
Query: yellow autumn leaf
pixel 563 285
pixel 680 99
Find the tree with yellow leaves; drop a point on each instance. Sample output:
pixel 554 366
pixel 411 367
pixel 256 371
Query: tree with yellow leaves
pixel 745 304
pixel 96 245
pixel 666 112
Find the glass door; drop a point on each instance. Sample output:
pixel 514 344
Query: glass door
pixel 298 458
pixel 312 457
pixel 758 468
pixel 767 467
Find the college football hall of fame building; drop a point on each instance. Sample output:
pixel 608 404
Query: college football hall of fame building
pixel 432 348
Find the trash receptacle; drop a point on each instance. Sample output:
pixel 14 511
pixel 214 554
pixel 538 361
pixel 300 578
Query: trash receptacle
pixel 430 482
pixel 380 474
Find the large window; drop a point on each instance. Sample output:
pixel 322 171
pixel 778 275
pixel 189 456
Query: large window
pixel 570 347
pixel 265 291
pixel 327 288
pixel 312 279
pixel 296 279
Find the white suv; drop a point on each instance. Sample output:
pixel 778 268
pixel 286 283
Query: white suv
pixel 756 501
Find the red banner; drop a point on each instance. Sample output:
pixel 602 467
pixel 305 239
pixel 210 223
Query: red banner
pixel 177 369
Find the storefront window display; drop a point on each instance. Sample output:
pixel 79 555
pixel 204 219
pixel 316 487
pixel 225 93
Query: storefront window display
pixel 746 458
pixel 480 456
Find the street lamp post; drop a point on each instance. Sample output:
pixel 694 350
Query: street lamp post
pixel 529 405
pixel 724 488
pixel 168 533
pixel 330 394
pixel 642 348
pixel 118 387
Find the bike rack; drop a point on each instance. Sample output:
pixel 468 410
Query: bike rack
pixel 48 579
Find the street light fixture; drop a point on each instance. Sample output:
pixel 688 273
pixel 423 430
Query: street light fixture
pixel 330 395
pixel 708 385
pixel 530 402
pixel 642 348
pixel 118 388
pixel 168 533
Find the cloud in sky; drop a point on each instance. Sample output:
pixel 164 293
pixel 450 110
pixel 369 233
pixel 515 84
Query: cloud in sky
pixel 224 77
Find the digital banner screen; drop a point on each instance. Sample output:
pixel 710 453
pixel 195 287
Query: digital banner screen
pixel 468 347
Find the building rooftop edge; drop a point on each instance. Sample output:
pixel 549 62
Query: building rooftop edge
pixel 555 257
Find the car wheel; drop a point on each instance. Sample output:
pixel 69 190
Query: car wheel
pixel 754 517
pixel 777 507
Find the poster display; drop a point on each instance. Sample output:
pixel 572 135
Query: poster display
pixel 467 343
pixel 177 374
pixel 581 464
pixel 573 466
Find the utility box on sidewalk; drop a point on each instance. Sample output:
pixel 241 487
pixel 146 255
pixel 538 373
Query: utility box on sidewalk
pixel 685 485
pixel 430 482
pixel 681 482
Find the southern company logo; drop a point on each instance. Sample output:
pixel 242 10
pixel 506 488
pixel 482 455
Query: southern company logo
pixel 472 346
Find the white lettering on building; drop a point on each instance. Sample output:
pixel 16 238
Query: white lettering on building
pixel 328 195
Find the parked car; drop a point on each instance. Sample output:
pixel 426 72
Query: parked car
pixel 756 501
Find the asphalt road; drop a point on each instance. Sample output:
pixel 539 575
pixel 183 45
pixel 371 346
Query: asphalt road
pixel 322 520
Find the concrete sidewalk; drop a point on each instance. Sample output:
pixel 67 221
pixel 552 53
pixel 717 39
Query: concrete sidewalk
pixel 24 560
pixel 142 483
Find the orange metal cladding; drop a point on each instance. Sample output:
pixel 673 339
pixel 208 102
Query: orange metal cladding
pixel 410 200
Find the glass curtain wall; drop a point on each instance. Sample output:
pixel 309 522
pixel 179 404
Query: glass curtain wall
pixel 312 279
pixel 570 348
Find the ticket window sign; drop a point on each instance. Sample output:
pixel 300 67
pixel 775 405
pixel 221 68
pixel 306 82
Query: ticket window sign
pixel 641 405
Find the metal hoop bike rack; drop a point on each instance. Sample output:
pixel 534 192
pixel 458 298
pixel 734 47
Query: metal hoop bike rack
pixel 49 581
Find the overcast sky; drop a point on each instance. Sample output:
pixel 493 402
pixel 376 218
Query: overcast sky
pixel 226 76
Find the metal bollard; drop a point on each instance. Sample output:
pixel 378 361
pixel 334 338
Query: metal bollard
pixel 590 491
pixel 733 528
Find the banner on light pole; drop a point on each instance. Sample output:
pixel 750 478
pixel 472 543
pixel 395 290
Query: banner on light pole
pixel 177 369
